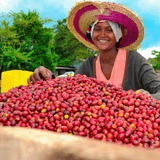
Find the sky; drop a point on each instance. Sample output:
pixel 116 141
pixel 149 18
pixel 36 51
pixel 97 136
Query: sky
pixel 149 10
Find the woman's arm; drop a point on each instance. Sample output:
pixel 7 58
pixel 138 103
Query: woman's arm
pixel 87 67
pixel 141 75
pixel 149 79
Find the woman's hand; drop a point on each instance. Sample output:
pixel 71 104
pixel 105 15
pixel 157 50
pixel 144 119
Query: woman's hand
pixel 40 73
pixel 144 92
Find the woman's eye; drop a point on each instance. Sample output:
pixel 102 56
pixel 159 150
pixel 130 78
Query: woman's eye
pixel 97 29
pixel 109 30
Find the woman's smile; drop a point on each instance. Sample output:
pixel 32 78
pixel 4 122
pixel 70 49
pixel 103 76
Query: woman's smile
pixel 102 41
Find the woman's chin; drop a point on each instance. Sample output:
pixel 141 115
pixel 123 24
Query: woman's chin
pixel 103 49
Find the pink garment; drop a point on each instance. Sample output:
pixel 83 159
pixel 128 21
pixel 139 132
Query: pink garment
pixel 118 70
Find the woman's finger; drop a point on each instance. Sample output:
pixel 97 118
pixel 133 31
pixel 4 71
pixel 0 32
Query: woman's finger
pixel 29 81
pixel 45 73
pixel 36 75
pixel 32 79
pixel 143 91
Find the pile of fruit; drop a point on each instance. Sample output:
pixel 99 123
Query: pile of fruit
pixel 86 107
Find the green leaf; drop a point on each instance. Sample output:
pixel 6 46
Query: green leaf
pixel 30 53
pixel 8 64
pixel 19 66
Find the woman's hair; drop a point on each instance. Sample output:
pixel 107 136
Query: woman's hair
pixel 88 33
pixel 118 43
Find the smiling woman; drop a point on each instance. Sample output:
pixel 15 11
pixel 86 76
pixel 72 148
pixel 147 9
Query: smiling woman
pixel 103 36
pixel 115 31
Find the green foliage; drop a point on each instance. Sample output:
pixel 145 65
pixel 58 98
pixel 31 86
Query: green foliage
pixel 14 59
pixel 67 46
pixel 155 61
pixel 25 43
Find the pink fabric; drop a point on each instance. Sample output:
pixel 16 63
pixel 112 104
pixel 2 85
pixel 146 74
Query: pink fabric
pixel 118 69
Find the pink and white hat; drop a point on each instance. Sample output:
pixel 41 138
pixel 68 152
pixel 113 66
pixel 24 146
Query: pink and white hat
pixel 86 12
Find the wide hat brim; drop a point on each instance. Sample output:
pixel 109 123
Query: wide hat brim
pixel 84 13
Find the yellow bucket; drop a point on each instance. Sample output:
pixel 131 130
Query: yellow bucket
pixel 13 78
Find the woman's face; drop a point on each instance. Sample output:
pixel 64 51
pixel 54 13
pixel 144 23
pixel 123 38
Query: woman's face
pixel 103 36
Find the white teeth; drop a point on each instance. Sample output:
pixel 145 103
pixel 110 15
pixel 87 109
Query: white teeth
pixel 103 41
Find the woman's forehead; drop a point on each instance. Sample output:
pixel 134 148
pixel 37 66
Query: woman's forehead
pixel 102 23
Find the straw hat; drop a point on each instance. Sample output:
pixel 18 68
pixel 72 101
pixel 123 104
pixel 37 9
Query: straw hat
pixel 86 12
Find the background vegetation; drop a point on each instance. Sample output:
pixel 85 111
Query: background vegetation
pixel 26 44
pixel 155 61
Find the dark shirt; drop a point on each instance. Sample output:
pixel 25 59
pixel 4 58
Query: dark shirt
pixel 139 74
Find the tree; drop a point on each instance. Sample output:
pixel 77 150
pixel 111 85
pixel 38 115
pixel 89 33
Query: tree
pixel 155 61
pixel 24 40
pixel 67 46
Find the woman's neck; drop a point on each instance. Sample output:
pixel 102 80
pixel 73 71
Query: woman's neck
pixel 108 57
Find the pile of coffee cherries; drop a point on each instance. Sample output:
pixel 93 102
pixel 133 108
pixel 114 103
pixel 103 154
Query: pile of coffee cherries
pixel 85 107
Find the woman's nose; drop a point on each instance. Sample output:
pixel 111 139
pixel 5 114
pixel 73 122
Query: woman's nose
pixel 103 33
